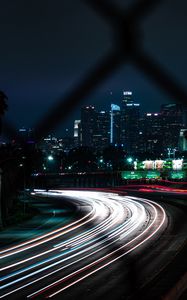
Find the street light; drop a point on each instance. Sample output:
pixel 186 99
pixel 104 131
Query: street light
pixel 129 160
pixel 50 157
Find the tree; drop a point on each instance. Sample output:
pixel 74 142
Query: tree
pixel 3 106
pixel 114 157
pixel 82 159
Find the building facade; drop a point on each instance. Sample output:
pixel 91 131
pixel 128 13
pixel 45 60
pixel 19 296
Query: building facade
pixel 88 125
pixel 130 115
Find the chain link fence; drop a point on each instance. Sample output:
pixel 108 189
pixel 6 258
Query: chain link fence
pixel 127 48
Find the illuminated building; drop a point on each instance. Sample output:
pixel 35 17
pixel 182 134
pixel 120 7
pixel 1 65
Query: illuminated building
pixel 101 133
pixel 88 125
pixel 48 144
pixel 159 164
pixel 27 137
pixel 149 164
pixel 172 123
pixel 94 128
pixel 177 164
pixel 76 133
pixel 183 140
pixel 23 133
pixel 160 131
pixel 130 114
pixel 115 122
pixel 66 143
pixel 151 138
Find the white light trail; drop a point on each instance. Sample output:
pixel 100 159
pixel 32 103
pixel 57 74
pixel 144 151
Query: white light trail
pixel 112 220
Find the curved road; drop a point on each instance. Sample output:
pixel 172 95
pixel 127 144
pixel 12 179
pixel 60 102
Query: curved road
pixel 110 227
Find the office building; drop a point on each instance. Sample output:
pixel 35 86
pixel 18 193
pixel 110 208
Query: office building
pixel 172 122
pixel 115 125
pixel 151 133
pixel 101 134
pixel 183 140
pixel 130 115
pixel 76 133
pixel 88 125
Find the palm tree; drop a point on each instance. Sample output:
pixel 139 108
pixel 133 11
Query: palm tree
pixel 3 106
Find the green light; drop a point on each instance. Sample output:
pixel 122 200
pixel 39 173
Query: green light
pixel 132 175
pixel 140 174
pixel 140 165
pixel 178 175
pixel 168 164
pixel 152 174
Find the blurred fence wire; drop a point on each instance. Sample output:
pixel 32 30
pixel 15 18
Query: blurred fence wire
pixel 127 47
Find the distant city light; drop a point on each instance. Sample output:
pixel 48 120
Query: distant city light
pixel 129 160
pixel 177 164
pixel 115 107
pixel 125 93
pixel 159 164
pixel 50 157
pixel 148 164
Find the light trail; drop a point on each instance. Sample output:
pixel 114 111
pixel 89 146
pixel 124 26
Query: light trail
pixel 11 250
pixel 94 210
pixel 73 240
pixel 113 233
pixel 119 221
pixel 99 260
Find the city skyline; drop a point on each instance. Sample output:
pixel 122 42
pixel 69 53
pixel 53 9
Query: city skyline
pixel 100 108
pixel 93 149
pixel 47 50
pixel 68 127
pixel 157 133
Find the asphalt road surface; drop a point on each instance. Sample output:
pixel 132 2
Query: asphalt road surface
pixel 87 254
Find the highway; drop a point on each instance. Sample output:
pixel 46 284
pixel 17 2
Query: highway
pixel 110 227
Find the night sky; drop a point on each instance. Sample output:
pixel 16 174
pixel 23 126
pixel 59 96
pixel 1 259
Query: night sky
pixel 47 46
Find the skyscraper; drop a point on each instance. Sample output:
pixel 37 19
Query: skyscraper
pixel 151 133
pixel 130 114
pixel 172 123
pixel 183 140
pixel 115 124
pixel 88 125
pixel 101 134
pixel 76 133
